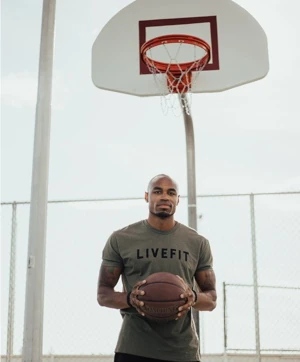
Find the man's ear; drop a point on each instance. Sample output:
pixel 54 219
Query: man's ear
pixel 178 199
pixel 146 196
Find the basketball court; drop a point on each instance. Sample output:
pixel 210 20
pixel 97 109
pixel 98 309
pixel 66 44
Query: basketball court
pixel 174 52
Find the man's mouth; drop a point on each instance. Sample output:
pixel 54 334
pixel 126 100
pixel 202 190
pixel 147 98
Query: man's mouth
pixel 164 205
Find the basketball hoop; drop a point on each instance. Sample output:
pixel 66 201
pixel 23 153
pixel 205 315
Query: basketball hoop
pixel 177 76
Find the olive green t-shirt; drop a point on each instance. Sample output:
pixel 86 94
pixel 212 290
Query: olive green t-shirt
pixel 142 250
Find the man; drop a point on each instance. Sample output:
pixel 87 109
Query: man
pixel 134 253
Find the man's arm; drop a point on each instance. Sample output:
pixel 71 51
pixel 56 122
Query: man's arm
pixel 207 297
pixel 106 295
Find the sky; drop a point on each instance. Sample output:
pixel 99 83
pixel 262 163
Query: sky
pixel 108 145
pixel 246 138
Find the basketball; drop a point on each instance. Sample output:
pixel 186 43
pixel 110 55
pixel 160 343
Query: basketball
pixel 162 297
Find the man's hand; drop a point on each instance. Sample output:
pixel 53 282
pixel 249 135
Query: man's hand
pixel 189 296
pixel 134 297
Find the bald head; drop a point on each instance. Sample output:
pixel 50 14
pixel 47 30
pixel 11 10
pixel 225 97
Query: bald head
pixel 158 177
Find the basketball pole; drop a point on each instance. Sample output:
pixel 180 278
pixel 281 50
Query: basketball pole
pixel 35 279
pixel 191 179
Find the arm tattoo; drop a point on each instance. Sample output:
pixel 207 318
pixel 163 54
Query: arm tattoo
pixel 208 281
pixel 109 276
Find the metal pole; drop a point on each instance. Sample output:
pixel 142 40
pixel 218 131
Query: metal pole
pixel 191 179
pixel 255 278
pixel 225 320
pixel 34 302
pixel 12 286
pixel 201 333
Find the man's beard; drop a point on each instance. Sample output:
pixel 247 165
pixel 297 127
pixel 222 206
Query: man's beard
pixel 162 214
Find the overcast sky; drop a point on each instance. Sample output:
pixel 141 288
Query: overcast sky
pixel 105 144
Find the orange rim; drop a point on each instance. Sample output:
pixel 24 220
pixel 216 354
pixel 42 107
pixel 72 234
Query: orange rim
pixel 176 38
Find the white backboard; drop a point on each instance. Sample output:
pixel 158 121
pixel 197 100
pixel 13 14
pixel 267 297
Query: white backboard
pixel 239 50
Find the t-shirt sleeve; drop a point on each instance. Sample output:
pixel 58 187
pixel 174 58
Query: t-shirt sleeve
pixel 205 258
pixel 110 254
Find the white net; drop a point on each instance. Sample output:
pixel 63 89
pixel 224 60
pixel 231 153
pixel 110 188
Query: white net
pixel 175 67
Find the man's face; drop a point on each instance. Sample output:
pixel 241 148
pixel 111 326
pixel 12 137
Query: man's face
pixel 162 197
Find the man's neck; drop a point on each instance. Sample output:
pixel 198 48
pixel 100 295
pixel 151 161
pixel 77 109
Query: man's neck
pixel 163 224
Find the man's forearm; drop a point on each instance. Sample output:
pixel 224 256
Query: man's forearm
pixel 107 297
pixel 206 301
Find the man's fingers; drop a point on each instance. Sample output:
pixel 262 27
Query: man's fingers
pixel 180 278
pixel 140 312
pixel 138 284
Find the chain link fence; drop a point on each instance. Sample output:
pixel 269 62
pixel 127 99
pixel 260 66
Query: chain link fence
pixel 255 240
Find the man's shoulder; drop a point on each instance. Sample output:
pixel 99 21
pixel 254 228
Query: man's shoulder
pixel 130 228
pixel 188 229
pixel 192 233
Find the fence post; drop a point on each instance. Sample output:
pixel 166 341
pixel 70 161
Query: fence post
pixel 255 279
pixel 12 286
pixel 224 319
